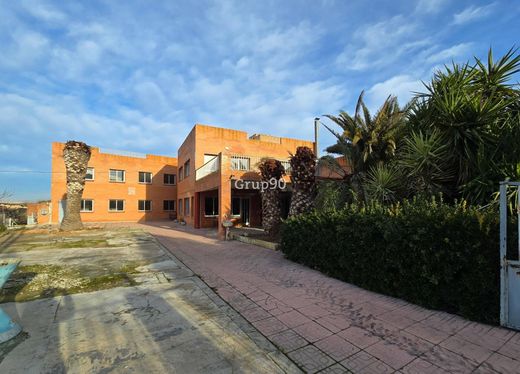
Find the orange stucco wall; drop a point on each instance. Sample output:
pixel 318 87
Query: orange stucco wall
pixel 101 189
pixel 204 139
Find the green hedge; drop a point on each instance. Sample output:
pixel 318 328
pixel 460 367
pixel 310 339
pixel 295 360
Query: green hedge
pixel 428 252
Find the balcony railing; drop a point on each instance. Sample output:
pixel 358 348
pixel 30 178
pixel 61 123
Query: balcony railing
pixel 208 168
pixel 250 163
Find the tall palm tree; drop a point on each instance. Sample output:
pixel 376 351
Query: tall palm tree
pixel 271 169
pixel 366 140
pixel 303 181
pixel 76 156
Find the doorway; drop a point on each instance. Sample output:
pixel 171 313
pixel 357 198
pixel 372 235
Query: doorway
pixel 244 211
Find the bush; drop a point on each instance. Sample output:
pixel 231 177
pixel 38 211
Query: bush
pixel 2 228
pixel 428 252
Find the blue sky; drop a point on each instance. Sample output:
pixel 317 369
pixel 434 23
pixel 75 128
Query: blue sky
pixel 136 75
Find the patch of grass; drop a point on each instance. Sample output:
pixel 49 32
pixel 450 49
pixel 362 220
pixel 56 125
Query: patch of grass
pixel 83 243
pixel 33 282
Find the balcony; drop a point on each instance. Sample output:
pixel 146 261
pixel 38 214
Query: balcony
pixel 250 163
pixel 208 168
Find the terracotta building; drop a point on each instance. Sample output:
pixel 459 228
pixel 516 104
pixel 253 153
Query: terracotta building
pixel 205 183
pixel 120 186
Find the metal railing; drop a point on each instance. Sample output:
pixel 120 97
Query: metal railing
pixel 208 168
pixel 250 163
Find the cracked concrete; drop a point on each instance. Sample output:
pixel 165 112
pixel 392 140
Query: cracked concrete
pixel 171 322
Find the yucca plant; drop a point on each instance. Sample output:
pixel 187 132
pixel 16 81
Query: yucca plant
pixel 383 183
pixel 303 181
pixel 475 110
pixel 423 158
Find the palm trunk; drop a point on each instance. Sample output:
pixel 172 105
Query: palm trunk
pixel 271 211
pixel 76 156
pixel 303 179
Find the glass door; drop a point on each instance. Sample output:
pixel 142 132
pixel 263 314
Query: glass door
pixel 244 211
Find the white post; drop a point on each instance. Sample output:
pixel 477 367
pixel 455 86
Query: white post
pixel 503 255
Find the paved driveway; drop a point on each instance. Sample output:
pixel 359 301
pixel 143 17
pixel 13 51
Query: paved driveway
pixel 330 326
pixel 172 322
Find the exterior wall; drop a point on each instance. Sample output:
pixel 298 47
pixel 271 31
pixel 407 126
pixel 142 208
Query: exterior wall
pixel 205 139
pixel 201 140
pixel 186 185
pixel 101 189
pixel 41 211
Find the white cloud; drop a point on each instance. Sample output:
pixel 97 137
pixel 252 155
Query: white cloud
pixel 382 43
pixel 402 86
pixel 451 53
pixel 430 6
pixel 472 13
pixel 43 11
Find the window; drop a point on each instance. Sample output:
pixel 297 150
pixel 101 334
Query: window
pixel 169 179
pixel 187 169
pixel 180 206
pixel 145 177
pixel 239 163
pixel 235 206
pixel 90 174
pixel 168 205
pixel 116 205
pixel 144 205
pixel 211 206
pixel 186 206
pixel 44 212
pixel 181 173
pixel 116 175
pixel 286 166
pixel 87 205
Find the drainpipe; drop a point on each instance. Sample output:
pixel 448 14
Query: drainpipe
pixel 316 126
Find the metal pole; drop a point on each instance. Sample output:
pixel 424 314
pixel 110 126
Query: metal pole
pixel 316 128
pixel 503 255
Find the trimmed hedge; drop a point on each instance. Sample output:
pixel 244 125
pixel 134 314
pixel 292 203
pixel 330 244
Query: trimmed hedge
pixel 430 253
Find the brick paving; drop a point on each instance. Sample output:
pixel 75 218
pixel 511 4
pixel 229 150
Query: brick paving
pixel 329 326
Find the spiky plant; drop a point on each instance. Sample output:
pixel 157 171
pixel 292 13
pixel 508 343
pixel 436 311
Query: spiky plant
pixel 76 156
pixel 383 183
pixel 365 140
pixel 271 169
pixel 424 162
pixel 303 180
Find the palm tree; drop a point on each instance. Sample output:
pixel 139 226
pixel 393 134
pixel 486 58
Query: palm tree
pixel 271 169
pixel 303 180
pixel 367 140
pixel 76 156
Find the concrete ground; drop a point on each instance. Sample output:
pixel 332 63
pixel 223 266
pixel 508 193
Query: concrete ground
pixel 329 326
pixel 171 322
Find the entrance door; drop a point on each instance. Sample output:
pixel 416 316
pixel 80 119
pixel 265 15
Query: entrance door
pixel 61 211
pixel 510 268
pixel 244 211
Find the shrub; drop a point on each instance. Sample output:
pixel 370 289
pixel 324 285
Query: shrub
pixel 428 252
pixel 2 228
